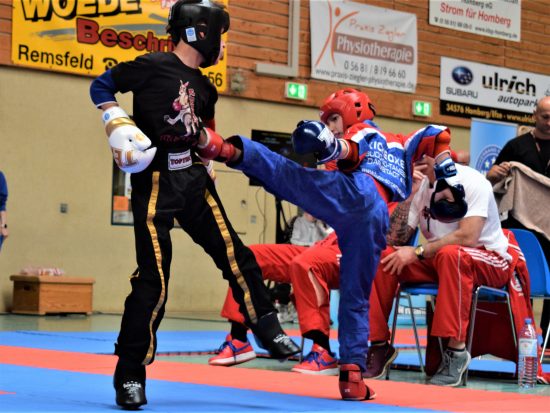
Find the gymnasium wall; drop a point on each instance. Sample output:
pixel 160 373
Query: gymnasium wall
pixel 53 149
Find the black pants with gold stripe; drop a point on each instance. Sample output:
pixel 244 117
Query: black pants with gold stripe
pixel 190 197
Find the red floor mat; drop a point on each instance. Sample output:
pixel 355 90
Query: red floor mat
pixel 390 393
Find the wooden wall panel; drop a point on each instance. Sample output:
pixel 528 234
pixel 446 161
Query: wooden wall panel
pixel 259 33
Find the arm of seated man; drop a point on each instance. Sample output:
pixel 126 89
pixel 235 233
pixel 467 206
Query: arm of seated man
pixel 400 231
pixel 467 234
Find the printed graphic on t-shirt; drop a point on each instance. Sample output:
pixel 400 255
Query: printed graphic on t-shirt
pixel 184 105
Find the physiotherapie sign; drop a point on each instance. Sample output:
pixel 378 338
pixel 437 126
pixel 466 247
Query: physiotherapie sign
pixel 363 45
pixel 86 37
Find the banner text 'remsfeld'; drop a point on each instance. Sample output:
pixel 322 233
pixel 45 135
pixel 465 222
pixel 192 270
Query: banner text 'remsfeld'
pixel 61 60
pixel 35 10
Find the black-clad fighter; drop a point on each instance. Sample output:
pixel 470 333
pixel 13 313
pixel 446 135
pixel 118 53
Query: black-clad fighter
pixel 170 98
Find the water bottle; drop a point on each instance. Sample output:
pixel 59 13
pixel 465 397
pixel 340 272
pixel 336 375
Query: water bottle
pixel 527 355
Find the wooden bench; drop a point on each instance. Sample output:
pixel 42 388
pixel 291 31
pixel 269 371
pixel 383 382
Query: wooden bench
pixel 42 294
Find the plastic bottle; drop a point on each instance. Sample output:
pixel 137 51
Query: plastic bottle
pixel 527 355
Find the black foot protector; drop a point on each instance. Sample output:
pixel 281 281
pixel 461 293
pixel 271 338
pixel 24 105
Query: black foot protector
pixel 270 336
pixel 130 395
pixel 129 382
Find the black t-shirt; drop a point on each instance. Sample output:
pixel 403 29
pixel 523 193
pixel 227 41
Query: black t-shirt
pixel 523 149
pixel 169 98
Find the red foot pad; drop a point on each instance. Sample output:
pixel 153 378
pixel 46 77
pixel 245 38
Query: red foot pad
pixel 352 386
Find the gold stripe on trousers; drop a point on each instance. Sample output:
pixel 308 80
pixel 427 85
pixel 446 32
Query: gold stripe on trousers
pixel 231 255
pixel 151 212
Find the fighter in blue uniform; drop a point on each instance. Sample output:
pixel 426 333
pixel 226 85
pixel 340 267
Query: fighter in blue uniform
pixel 374 169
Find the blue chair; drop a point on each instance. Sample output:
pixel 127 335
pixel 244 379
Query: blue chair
pixel 539 274
pixel 406 291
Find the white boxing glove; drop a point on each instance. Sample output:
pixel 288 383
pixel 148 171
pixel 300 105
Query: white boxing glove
pixel 128 143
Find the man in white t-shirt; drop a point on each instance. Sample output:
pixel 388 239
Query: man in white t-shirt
pixel 307 230
pixel 458 256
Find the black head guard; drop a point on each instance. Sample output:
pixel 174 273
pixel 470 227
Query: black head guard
pixel 200 24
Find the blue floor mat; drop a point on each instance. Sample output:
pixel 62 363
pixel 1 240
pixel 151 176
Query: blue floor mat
pixel 45 390
pixel 185 342
pixel 103 342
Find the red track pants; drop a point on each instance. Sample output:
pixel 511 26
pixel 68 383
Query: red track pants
pixel 312 271
pixel 457 270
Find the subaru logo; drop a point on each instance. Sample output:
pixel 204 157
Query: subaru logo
pixel 462 75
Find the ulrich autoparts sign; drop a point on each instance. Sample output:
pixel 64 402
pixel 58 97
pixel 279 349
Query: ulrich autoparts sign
pixel 469 89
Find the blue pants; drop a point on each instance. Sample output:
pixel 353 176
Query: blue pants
pixel 349 203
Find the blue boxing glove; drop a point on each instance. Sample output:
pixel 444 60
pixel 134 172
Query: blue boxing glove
pixel 445 169
pixel 315 137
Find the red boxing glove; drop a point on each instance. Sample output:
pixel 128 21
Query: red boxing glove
pixel 215 147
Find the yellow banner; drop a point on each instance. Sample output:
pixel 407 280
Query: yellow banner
pixel 87 37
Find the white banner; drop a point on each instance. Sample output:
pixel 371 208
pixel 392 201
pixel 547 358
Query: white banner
pixel 363 45
pixel 493 18
pixel 490 86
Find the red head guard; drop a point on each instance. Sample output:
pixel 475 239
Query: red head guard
pixel 352 105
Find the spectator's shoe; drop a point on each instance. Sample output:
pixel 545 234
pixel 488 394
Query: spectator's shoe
pixel 271 337
pixel 379 359
pixel 352 386
pixel 232 352
pixel 319 361
pixel 451 369
pixel 129 383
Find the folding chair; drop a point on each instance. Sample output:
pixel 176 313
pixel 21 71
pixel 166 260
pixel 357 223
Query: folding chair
pixel 405 291
pixel 539 274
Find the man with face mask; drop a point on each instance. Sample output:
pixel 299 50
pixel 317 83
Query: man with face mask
pixel 463 250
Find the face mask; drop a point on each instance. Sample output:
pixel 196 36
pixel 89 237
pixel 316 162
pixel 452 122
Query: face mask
pixel 447 211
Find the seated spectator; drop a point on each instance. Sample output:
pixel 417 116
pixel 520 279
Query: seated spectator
pixel 312 271
pixel 459 254
pixel 306 230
